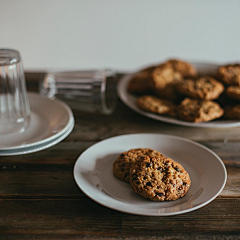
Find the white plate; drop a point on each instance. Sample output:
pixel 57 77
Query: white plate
pixel 94 176
pixel 38 147
pixel 49 120
pixel 130 101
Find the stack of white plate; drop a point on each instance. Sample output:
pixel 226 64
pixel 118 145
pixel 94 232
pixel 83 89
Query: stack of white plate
pixel 51 122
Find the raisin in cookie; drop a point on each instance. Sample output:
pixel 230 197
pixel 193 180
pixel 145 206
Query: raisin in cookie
pixel 201 88
pixel 199 110
pixel 139 83
pixel 233 92
pixel 156 105
pixel 121 166
pixel 184 68
pixel 159 178
pixel 164 81
pixel 230 74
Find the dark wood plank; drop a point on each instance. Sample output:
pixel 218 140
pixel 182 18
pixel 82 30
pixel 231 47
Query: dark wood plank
pixel 57 180
pixel 69 150
pixel 85 218
pixel 64 153
pixel 49 172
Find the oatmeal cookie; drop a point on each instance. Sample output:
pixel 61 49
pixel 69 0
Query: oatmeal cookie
pixel 156 105
pixel 121 165
pixel 232 112
pixel 159 178
pixel 233 92
pixel 199 110
pixel 184 68
pixel 230 74
pixel 139 83
pixel 164 81
pixel 201 88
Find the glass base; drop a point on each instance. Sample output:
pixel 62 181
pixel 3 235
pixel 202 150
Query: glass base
pixel 10 128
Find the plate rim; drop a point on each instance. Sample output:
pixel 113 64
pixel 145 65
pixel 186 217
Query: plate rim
pixel 52 137
pixel 153 214
pixel 124 95
pixel 42 146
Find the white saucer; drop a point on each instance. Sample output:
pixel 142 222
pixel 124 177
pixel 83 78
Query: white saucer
pixel 38 147
pixel 94 175
pixel 49 120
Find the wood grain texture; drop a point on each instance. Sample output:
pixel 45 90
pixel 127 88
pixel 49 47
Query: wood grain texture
pixel 39 198
pixel 81 217
pixel 35 180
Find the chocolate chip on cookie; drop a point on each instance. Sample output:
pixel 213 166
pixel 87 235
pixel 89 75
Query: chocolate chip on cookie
pixel 159 178
pixel 123 163
pixel 201 88
pixel 199 110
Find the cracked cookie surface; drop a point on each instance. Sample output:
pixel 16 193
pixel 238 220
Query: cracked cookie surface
pixel 159 178
pixel 164 81
pixel 122 164
pixel 230 74
pixel 201 88
pixel 199 110
pixel 156 105
pixel 184 68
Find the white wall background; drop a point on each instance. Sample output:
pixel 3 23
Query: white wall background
pixel 119 34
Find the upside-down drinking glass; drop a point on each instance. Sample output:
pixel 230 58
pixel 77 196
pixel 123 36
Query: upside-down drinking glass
pixel 14 104
pixel 89 91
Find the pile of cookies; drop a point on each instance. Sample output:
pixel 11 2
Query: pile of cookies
pixel 152 175
pixel 174 88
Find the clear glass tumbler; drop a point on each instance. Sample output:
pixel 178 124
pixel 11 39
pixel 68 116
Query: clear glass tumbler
pixel 90 91
pixel 14 104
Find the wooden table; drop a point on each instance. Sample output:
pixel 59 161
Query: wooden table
pixel 40 199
